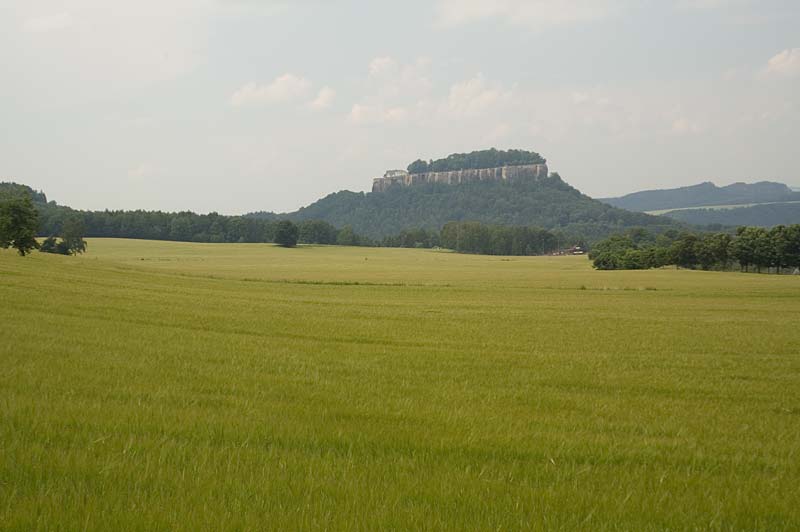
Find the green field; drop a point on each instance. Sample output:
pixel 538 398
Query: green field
pixel 161 386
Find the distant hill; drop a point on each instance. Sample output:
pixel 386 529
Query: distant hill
pixel 704 194
pixel 546 202
pixel 763 215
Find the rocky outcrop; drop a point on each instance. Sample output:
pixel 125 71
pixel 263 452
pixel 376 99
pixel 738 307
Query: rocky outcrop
pixel 503 173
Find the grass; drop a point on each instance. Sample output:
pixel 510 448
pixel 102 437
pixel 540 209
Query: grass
pixel 154 386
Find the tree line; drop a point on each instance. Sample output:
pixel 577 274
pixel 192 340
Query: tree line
pixel 481 239
pixel 748 249
pixel 491 158
pixel 192 227
pixel 23 216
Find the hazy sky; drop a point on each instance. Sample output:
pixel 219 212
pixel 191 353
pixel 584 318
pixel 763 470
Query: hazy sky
pixel 243 105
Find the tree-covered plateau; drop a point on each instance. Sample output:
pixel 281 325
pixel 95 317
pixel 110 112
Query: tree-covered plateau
pixel 491 158
pixel 549 203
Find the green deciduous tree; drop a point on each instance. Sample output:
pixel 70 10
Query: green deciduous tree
pixel 19 222
pixel 316 232
pixel 791 246
pixel 684 251
pixel 72 234
pixel 777 248
pixel 286 234
pixel 347 237
pixel 418 167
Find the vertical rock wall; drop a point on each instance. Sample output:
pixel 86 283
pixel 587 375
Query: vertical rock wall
pixel 503 173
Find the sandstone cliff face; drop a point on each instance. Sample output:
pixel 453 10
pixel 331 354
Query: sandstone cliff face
pixel 503 173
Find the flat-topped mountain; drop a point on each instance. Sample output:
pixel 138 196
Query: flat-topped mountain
pixel 458 168
pixel 704 194
pixel 462 188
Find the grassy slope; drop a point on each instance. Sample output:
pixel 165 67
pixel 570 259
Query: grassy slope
pixel 250 386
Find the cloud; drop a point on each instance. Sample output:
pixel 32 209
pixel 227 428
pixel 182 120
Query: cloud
pixel 324 99
pixel 394 93
pixel 362 114
pixel 684 126
pixel 142 171
pixel 394 79
pixel 531 13
pixel 381 65
pixel 399 94
pixel 785 63
pixel 285 88
pixel 474 96
pixel 48 23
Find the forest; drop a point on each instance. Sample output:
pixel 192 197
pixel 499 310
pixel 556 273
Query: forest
pixel 71 226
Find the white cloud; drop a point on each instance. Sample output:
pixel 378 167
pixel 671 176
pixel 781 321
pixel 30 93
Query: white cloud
pixel 362 114
pixel 784 64
pixel 684 126
pixel 531 13
pixel 395 93
pixel 142 171
pixel 474 96
pixel 398 94
pixel 381 65
pixel 48 23
pixel 285 88
pixel 324 99
pixel 392 79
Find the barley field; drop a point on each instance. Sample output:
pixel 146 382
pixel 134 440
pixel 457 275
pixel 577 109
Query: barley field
pixel 174 386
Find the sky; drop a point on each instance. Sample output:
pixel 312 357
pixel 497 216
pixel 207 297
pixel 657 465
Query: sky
pixel 237 106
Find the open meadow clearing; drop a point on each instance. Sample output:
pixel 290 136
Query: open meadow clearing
pixel 161 385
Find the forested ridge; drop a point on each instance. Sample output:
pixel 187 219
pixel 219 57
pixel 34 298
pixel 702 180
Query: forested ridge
pixel 704 194
pixel 764 215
